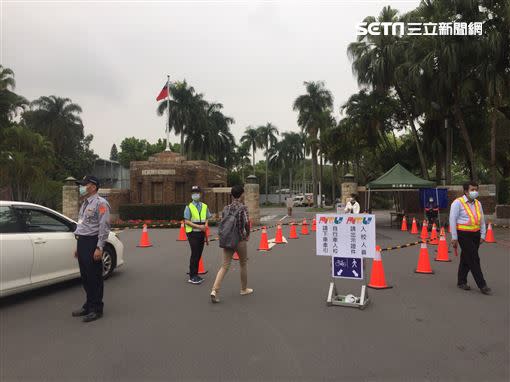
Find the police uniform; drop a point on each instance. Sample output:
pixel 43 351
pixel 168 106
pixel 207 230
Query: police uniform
pixel 91 233
pixel 467 224
pixel 197 212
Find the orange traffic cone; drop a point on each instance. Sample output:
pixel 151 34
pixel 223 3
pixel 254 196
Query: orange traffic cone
pixel 433 235
pixel 264 244
pixel 304 228
pixel 424 230
pixel 201 269
pixel 182 233
pixel 404 224
pixel 489 237
pixel 377 279
pixel 144 239
pixel 293 233
pixel 207 230
pixel 235 257
pixel 279 235
pixel 442 249
pixel 423 260
pixel 414 227
pixel 314 225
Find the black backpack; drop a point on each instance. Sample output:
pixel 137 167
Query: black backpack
pixel 228 230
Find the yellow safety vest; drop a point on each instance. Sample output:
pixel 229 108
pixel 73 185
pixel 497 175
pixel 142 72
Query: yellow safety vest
pixel 474 221
pixel 195 216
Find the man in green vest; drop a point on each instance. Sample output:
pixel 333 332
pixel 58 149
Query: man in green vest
pixel 195 217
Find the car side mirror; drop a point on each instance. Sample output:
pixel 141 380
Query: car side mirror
pixel 73 226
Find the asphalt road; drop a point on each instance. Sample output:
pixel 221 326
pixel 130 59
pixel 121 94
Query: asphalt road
pixel 158 327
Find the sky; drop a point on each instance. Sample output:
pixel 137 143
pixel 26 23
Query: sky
pixel 112 57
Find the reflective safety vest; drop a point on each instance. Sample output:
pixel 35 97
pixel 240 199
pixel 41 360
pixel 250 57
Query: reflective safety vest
pixel 474 221
pixel 198 218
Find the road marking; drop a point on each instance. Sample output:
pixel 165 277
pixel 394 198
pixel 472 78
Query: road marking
pixel 268 217
pixel 286 216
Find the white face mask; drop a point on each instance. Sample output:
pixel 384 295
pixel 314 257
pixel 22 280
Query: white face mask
pixel 83 190
pixel 195 197
pixel 473 194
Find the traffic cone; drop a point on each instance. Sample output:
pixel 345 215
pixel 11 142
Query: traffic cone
pixel 182 233
pixel 264 244
pixel 489 237
pixel 235 257
pixel 377 279
pixel 314 225
pixel 293 233
pixel 442 249
pixel 404 224
pixel 144 239
pixel 414 227
pixel 304 228
pixel 201 269
pixel 423 260
pixel 207 230
pixel 424 230
pixel 279 235
pixel 433 235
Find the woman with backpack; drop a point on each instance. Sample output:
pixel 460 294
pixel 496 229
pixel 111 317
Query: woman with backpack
pixel 234 232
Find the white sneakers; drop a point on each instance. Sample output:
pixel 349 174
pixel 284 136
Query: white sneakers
pixel 246 291
pixel 215 299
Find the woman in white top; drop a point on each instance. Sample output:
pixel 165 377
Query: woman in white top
pixel 352 206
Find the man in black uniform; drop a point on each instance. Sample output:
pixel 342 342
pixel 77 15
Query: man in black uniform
pixel 91 234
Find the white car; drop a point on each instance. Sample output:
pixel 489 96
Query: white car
pixel 37 248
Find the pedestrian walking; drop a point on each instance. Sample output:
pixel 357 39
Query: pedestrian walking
pixel 352 206
pixel 290 204
pixel 467 224
pixel 196 215
pixel 234 233
pixel 91 234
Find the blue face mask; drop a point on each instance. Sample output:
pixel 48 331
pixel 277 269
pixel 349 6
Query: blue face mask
pixel 83 190
pixel 473 194
pixel 195 197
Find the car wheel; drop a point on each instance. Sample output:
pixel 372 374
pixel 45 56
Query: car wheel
pixel 109 261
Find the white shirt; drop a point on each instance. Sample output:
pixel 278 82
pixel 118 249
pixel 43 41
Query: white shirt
pixel 352 208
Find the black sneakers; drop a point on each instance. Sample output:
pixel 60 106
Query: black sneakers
pixel 464 287
pixel 486 290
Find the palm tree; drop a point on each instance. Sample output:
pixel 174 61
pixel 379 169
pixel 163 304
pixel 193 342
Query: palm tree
pixel 267 138
pixel 10 102
pixel 242 156
pixel 291 150
pixel 58 119
pixel 376 59
pixel 311 108
pixel 251 138
pixel 277 162
pixel 185 105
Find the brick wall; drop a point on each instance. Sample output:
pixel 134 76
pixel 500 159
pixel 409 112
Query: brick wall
pixel 115 198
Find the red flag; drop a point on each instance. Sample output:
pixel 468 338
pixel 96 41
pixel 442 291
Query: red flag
pixel 163 93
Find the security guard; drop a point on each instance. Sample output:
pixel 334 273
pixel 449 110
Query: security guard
pixel 91 233
pixel 195 217
pixel 467 224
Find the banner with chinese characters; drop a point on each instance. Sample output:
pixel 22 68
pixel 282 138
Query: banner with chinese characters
pixel 349 235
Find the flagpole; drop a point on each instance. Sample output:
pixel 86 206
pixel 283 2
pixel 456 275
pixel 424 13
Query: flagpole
pixel 168 110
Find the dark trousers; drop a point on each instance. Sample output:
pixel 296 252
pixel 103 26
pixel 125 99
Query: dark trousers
pixel 91 273
pixel 196 242
pixel 469 259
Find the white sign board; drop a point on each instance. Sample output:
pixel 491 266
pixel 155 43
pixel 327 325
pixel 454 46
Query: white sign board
pixel 345 235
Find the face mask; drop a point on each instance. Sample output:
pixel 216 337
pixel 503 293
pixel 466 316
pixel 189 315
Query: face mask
pixel 83 190
pixel 195 197
pixel 473 194
pixel 431 200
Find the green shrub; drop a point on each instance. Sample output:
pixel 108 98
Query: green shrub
pixel 152 211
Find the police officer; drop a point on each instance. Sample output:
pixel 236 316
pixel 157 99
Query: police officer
pixel 91 233
pixel 195 217
pixel 432 210
pixel 467 224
